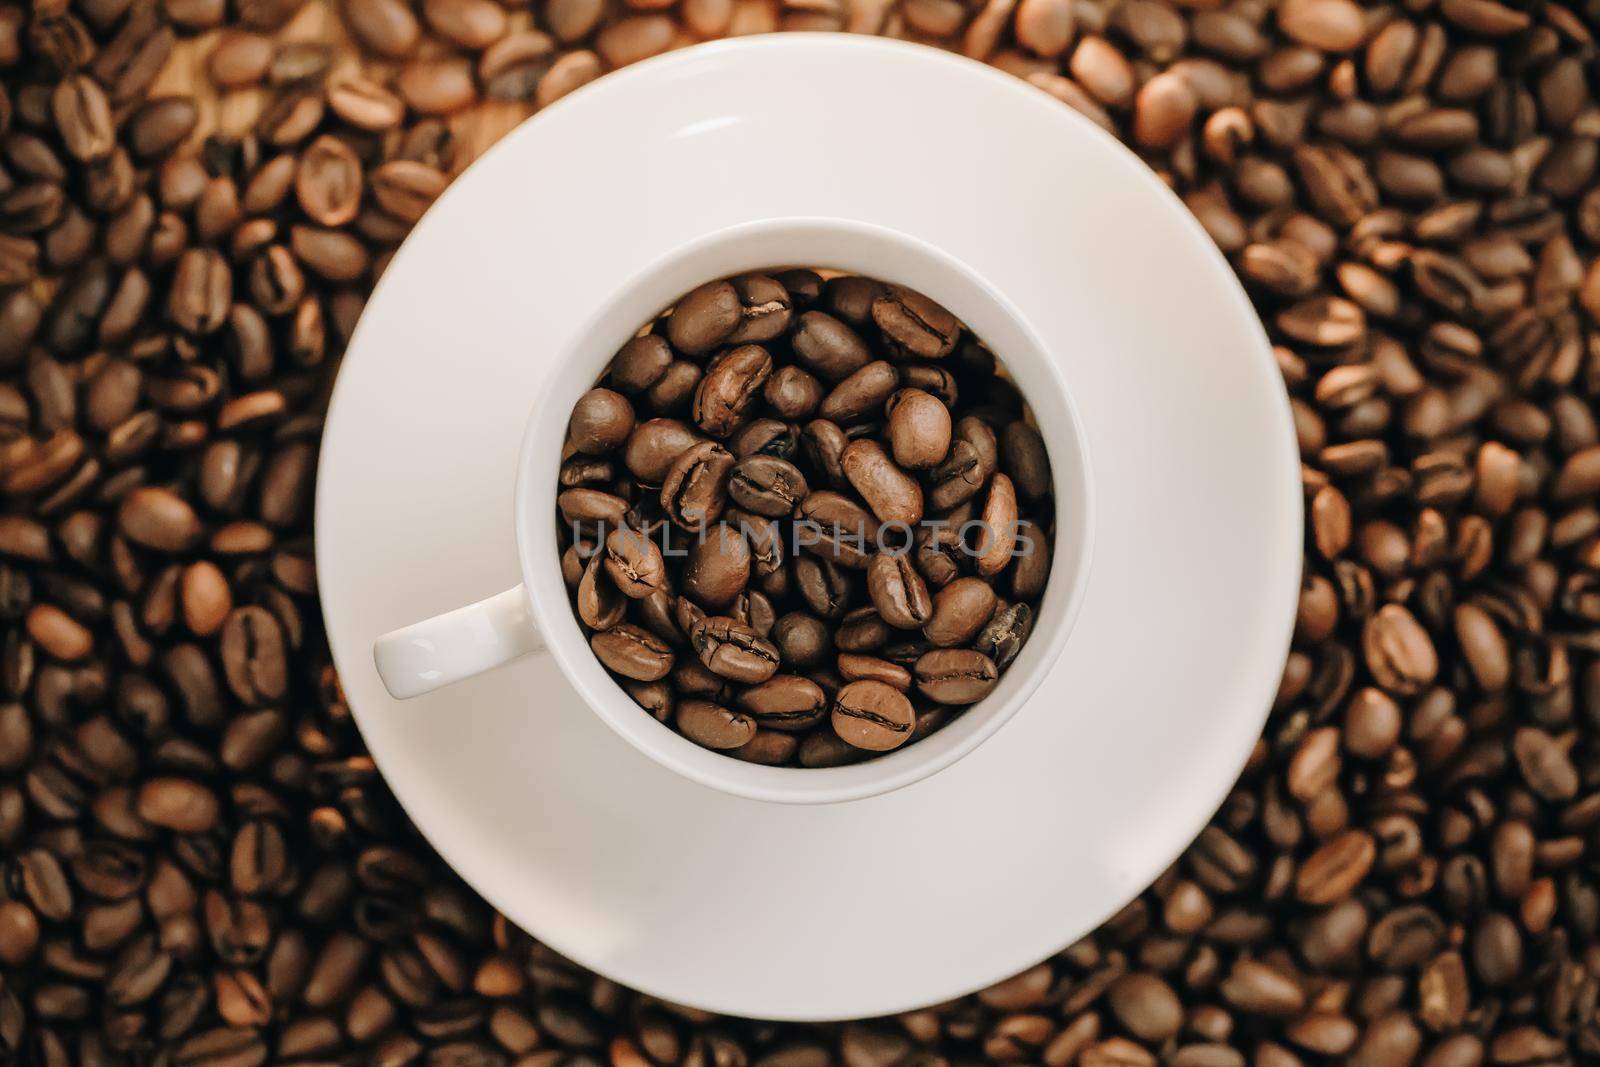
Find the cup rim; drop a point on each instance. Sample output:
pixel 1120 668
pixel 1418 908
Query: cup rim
pixel 539 558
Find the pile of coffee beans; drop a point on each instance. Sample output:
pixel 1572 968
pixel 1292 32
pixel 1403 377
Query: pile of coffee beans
pixel 199 864
pixel 805 520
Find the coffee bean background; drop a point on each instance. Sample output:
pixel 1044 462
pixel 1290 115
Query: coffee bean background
pixel 200 863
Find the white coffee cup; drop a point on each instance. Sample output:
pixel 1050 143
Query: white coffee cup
pixel 536 618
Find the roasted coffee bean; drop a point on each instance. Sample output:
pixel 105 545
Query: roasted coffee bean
pixel 734 650
pixel 634 563
pixel 854 668
pixel 327 182
pixel 898 592
pixel 601 421
pixel 836 528
pixel 695 488
pixel 654 446
pixel 919 428
pixel 955 676
pixel 893 495
pixel 368 106
pixel 240 59
pixel 160 125
pixel 712 725
pixel 83 116
pixel 202 291
pixel 767 485
pixel 640 363
pixel 704 318
pixel 764 307
pixel 436 86
pixel 792 393
pixel 862 394
pixel 958 479
pixel 803 640
pixel 824 444
pixel 385 27
pixel 997 534
pixel 675 390
pixel 827 347
pixel 1003 636
pixel 601 605
pixel 732 383
pixel 960 610
pixel 874 716
pixel 785 702
pixel 913 325
pixel 632 652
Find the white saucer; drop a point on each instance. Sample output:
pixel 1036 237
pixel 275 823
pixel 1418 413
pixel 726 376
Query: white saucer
pixel 1071 809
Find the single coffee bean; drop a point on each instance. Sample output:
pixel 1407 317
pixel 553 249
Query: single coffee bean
pixel 862 394
pixel 592 505
pixel 367 105
pixel 733 650
pixel 601 421
pixel 640 363
pixel 160 125
pixel 634 563
pixel 958 479
pixel 764 309
pixel 770 748
pixel 1398 651
pixel 767 485
pixel 913 325
pixel 955 676
pixel 327 182
pixel 436 86
pixel 633 652
pixel 871 715
pixel 836 528
pixel 1003 636
pixel 695 488
pixel 654 446
pixel 1031 567
pixel 712 725
pixel 892 494
pixel 513 67
pixel 919 428
pixel 385 27
pixel 704 318
pixel 827 347
pixel 675 391
pixel 824 443
pixel 177 804
pixel 898 591
pixel 855 668
pixel 601 605
pixel 960 610
pixel 732 383
pixel 792 393
pixel 785 702
pixel 202 291
pixel 803 640
pixel 82 114
pixel 1026 460
pixel 997 536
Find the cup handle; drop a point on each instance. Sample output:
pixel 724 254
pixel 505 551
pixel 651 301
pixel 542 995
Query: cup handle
pixel 435 652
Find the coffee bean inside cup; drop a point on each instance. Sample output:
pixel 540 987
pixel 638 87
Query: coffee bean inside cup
pixel 805 518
